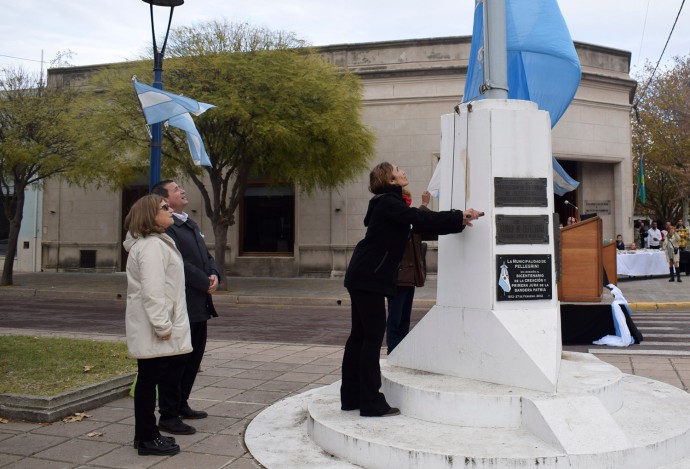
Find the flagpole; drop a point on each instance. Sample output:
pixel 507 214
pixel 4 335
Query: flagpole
pixel 495 50
pixel 157 129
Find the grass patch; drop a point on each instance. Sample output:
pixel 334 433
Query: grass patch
pixel 46 366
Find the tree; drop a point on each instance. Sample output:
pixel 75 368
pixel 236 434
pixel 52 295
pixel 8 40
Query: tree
pixel 282 112
pixel 661 134
pixel 37 141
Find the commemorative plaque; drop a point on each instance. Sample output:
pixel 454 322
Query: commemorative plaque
pixel 523 277
pixel 520 192
pixel 522 229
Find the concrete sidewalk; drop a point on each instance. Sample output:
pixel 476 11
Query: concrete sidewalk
pixel 641 293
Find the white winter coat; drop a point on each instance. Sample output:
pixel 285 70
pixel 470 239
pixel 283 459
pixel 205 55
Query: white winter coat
pixel 156 304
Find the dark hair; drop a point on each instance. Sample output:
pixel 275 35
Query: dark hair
pixel 381 178
pixel 141 219
pixel 160 189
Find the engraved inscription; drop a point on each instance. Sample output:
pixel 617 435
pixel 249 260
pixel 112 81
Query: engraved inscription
pixel 522 229
pixel 520 192
pixel 523 277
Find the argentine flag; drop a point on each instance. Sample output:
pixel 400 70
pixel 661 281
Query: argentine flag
pixel 159 105
pixel 543 66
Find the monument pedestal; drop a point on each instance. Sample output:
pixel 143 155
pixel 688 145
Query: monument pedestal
pixel 598 418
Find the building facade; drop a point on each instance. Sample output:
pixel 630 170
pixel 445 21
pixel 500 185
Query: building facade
pixel 407 86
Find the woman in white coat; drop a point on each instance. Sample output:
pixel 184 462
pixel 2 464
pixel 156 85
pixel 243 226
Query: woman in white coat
pixel 156 320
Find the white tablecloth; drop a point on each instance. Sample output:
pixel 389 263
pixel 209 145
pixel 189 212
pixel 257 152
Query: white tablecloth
pixel 641 263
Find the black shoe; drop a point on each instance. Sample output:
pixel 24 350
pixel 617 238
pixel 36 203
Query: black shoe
pixel 169 439
pixel 348 408
pixel 189 413
pixel 157 447
pixel 176 427
pixel 389 413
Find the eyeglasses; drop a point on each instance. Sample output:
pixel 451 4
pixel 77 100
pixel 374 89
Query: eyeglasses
pixel 165 207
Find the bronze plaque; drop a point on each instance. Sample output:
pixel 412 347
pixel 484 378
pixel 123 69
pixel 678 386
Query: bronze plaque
pixel 522 229
pixel 520 192
pixel 523 277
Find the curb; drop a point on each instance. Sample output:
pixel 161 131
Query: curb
pixel 53 408
pixel 653 306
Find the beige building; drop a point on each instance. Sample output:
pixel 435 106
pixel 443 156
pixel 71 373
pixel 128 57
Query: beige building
pixel 408 85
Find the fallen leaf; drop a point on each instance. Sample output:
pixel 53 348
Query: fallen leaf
pixel 87 368
pixel 4 421
pixel 78 417
pixel 92 434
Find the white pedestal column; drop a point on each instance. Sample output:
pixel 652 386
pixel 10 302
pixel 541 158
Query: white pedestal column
pixel 478 330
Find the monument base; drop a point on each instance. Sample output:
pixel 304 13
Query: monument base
pixel 598 417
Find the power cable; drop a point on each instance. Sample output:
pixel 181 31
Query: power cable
pixel 644 29
pixel 644 89
pixel 19 58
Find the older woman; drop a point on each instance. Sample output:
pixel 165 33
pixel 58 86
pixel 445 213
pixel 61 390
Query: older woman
pixel 157 323
pixel 372 276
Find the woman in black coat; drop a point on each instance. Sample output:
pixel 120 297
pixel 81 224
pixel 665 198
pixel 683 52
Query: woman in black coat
pixel 372 276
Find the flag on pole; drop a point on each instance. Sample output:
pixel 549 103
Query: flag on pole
pixel 562 182
pixel 640 182
pixel 159 105
pixel 196 145
pixel 543 66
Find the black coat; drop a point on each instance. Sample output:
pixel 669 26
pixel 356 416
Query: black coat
pixel 198 265
pixel 376 259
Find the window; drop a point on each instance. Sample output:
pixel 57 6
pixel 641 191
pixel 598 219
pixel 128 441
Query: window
pixel 267 220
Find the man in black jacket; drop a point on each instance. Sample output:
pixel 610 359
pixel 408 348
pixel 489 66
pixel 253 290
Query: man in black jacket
pixel 201 279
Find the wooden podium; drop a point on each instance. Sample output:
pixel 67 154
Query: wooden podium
pixel 583 258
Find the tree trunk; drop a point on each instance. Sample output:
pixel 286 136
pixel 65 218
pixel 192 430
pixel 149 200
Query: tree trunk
pixel 220 233
pixel 15 225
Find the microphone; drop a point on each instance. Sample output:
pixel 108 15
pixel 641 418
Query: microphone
pixel 568 203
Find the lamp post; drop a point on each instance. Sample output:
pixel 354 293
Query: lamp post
pixel 157 129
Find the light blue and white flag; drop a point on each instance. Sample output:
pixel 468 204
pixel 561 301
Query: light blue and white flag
pixel 543 66
pixel 159 105
pixel 562 182
pixel 196 145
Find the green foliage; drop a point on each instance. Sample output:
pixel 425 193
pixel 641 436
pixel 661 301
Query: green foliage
pixel 39 138
pixel 283 114
pixel 43 366
pixel 661 133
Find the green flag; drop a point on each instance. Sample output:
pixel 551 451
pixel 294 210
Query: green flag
pixel 640 182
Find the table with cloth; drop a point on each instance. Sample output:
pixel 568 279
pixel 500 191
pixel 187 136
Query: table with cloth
pixel 642 263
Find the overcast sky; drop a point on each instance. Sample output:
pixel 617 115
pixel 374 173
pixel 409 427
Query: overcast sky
pixel 97 31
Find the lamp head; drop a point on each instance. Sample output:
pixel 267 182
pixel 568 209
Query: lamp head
pixel 164 3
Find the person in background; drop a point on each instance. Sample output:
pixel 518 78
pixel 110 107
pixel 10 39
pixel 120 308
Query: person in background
pixel 156 322
pixel 653 237
pixel 673 252
pixel 620 245
pixel 682 231
pixel 201 280
pixel 411 274
pixel 636 232
pixel 644 227
pixel 371 276
pixel 632 247
pixel 571 221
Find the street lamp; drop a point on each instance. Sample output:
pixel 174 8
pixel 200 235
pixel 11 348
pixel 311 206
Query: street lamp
pixel 157 129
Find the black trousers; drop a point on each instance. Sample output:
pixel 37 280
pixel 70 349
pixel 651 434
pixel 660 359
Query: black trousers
pixel 361 369
pixel 173 396
pixel 163 372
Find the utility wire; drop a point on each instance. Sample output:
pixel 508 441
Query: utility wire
pixel 20 58
pixel 644 29
pixel 644 89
